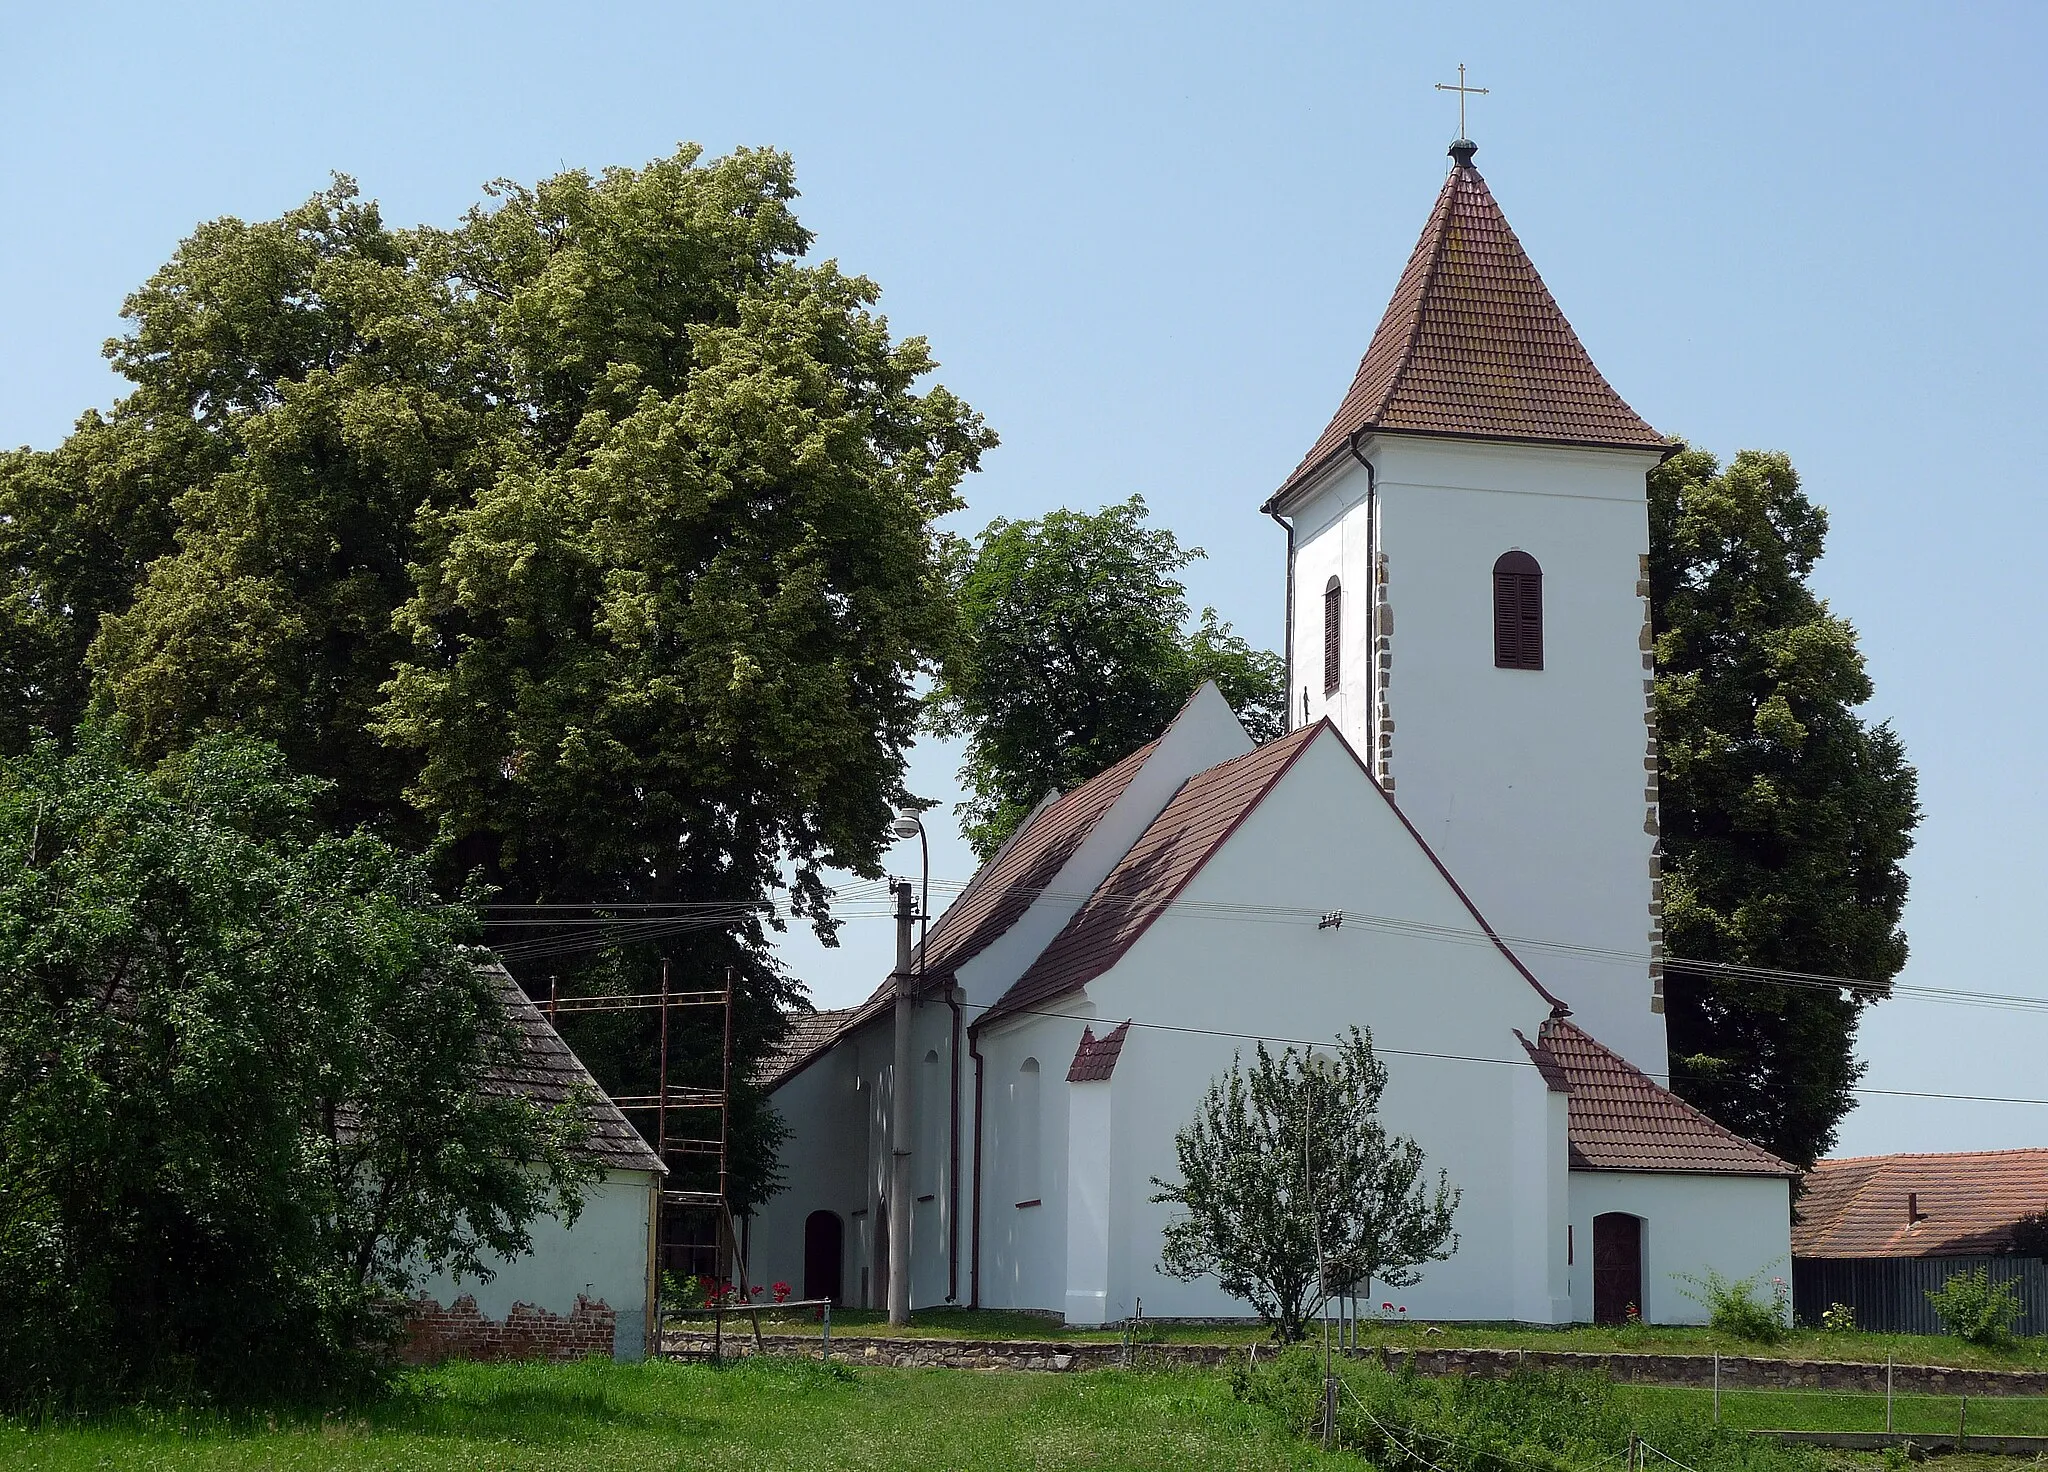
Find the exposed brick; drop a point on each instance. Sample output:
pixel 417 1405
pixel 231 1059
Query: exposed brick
pixel 461 1332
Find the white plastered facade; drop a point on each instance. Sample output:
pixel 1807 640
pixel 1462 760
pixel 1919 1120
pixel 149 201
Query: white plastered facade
pixel 1535 787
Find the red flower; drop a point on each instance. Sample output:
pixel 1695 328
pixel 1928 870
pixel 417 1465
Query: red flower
pixel 1386 1308
pixel 781 1291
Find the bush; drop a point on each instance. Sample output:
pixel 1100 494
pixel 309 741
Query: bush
pixel 1975 1309
pixel 1531 1421
pixel 2030 1236
pixel 1840 1318
pixel 1746 1308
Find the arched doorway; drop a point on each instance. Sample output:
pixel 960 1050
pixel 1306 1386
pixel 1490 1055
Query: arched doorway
pixel 824 1255
pixel 1617 1266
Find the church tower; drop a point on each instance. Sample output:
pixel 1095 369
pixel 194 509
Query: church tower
pixel 1468 590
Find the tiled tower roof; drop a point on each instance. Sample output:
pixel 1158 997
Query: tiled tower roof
pixel 1473 345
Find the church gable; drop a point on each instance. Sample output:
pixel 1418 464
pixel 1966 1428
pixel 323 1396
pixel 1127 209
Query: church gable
pixel 1474 345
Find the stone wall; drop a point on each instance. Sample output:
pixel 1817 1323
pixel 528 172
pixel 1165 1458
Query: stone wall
pixel 1738 1372
pixel 461 1332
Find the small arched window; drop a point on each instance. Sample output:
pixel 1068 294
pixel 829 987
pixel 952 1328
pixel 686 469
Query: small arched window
pixel 1333 636
pixel 1027 1105
pixel 1517 612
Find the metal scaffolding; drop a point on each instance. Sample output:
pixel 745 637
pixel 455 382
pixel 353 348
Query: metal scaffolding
pixel 690 1102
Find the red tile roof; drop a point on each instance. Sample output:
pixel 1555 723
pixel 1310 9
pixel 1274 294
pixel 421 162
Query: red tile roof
pixel 1095 1060
pixel 994 900
pixel 1620 1119
pixel 1205 812
pixel 1473 344
pixel 1858 1207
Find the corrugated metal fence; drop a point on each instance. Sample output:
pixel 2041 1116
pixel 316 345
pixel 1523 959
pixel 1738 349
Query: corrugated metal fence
pixel 1889 1294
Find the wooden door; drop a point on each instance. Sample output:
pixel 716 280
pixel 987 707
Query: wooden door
pixel 824 1252
pixel 1617 1267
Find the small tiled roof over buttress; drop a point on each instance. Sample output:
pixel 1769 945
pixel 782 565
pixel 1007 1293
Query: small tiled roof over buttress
pixel 1095 1059
pixel 1474 345
pixel 1621 1119
pixel 1919 1205
pixel 1001 891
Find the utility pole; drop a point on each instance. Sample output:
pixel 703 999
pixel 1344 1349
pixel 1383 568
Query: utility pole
pixel 899 1119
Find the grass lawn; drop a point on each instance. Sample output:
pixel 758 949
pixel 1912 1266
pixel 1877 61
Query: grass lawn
pixel 1907 1349
pixel 1801 1410
pixel 596 1416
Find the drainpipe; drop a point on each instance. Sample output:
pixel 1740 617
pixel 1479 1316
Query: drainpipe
pixel 1372 608
pixel 953 1157
pixel 1287 621
pixel 974 1251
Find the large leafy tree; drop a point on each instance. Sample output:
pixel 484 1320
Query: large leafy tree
pixel 242 1080
pixel 588 541
pixel 1293 1191
pixel 1785 815
pixel 1077 647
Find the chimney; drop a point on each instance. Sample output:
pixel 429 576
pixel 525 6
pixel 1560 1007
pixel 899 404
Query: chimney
pixel 1913 1211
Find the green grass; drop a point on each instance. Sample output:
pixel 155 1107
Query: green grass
pixel 595 1416
pixel 998 1324
pixel 1802 1410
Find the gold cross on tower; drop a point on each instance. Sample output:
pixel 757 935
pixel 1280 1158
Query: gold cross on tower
pixel 1461 89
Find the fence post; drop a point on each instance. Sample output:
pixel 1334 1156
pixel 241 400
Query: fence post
pixel 1887 1392
pixel 1717 1387
pixel 825 1352
pixel 1962 1422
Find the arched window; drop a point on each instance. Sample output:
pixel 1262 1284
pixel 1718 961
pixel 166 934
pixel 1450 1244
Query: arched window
pixel 1333 633
pixel 1517 612
pixel 1027 1126
pixel 930 1104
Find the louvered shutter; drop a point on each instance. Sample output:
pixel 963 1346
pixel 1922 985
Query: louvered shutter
pixel 1517 612
pixel 1333 637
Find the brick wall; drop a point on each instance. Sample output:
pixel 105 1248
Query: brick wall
pixel 461 1332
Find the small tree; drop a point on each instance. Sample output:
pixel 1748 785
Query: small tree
pixel 2030 1236
pixel 1287 1167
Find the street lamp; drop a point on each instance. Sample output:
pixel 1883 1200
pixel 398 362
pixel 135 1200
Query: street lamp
pixel 899 1087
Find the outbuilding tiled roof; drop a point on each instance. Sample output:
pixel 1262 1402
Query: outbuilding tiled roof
pixel 808 1032
pixel 1205 812
pixel 1621 1119
pixel 547 1072
pixel 1095 1060
pixel 1474 345
pixel 1951 1205
pixel 994 900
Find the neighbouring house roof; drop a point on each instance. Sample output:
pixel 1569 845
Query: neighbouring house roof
pixel 808 1032
pixel 1193 826
pixel 1966 1203
pixel 1474 345
pixel 997 897
pixel 1095 1060
pixel 548 1072
pixel 1622 1119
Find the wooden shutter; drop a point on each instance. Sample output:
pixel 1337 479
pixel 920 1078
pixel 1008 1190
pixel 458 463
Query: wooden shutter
pixel 1517 612
pixel 1333 637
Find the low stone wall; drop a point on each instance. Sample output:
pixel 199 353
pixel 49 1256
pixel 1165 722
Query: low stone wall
pixel 1738 1372
pixel 461 1332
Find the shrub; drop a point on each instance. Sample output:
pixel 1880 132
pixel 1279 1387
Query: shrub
pixel 1973 1308
pixel 1840 1318
pixel 2030 1236
pixel 1746 1308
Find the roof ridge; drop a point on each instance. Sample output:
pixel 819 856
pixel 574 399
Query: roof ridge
pixel 1446 207
pixel 1928 1155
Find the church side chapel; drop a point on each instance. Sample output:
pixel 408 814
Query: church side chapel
pixel 1469 783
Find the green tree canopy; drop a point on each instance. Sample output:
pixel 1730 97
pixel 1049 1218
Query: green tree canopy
pixel 1785 816
pixel 588 541
pixel 1076 648
pixel 1294 1192
pixel 241 1069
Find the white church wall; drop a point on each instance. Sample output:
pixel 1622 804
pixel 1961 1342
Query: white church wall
pixel 1324 840
pixel 603 1257
pixel 1530 785
pixel 1025 1160
pixel 837 1159
pixel 1089 1180
pixel 1735 1225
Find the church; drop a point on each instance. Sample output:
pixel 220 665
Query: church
pixel 1455 845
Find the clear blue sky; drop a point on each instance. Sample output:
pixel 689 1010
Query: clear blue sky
pixel 1149 243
